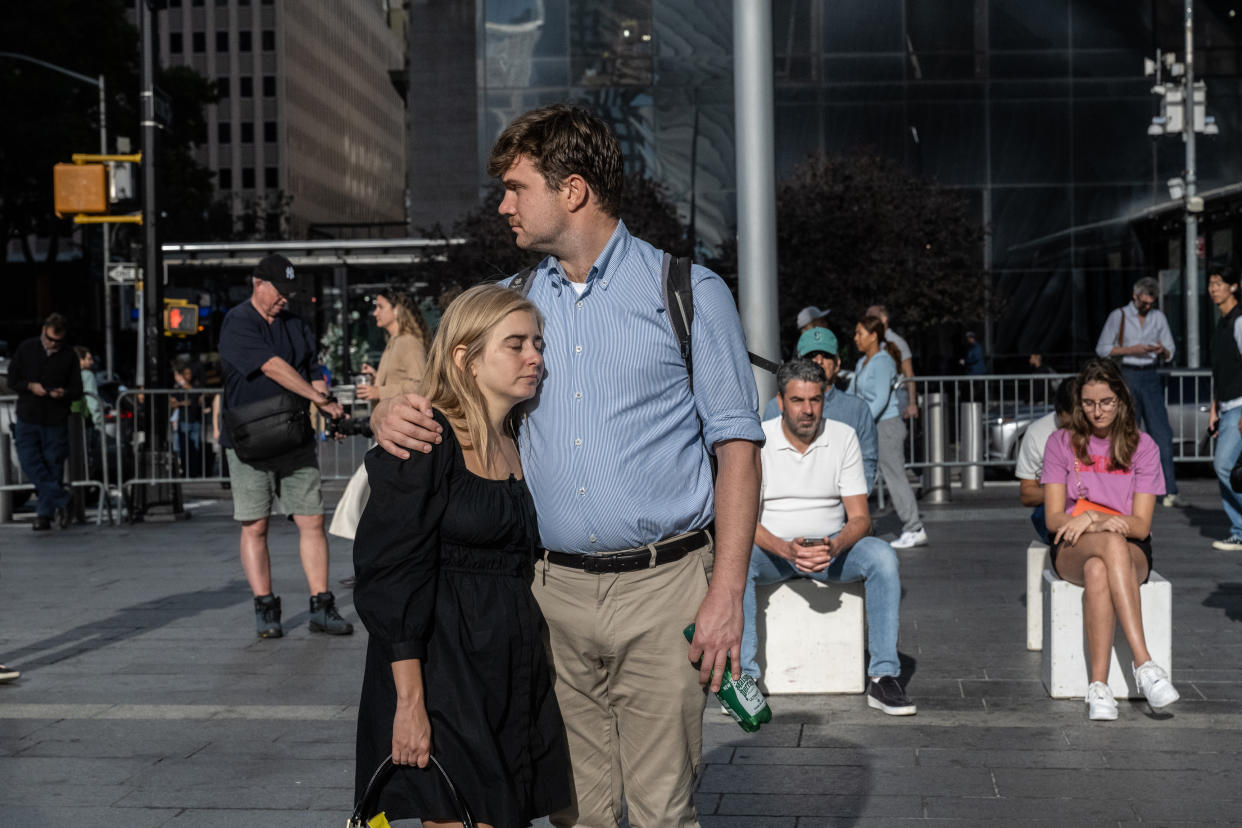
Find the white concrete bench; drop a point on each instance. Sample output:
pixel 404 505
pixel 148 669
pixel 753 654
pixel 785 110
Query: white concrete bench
pixel 1037 560
pixel 1065 645
pixel 811 637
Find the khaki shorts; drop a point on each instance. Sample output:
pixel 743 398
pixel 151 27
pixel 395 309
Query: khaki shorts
pixel 298 487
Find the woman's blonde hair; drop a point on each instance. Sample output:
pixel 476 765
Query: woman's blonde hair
pixel 1123 435
pixel 409 316
pixel 452 388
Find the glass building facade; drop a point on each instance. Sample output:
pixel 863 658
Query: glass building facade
pixel 1036 109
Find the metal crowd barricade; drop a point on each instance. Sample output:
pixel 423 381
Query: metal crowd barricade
pixel 13 478
pixel 1011 402
pixel 193 442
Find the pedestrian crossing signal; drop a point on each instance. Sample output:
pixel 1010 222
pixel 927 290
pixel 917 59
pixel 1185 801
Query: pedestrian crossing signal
pixel 180 319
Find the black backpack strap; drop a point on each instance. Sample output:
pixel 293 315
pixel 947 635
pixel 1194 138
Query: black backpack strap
pixel 521 282
pixel 679 301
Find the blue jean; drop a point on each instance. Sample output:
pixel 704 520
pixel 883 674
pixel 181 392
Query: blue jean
pixel 871 561
pixel 1153 417
pixel 42 450
pixel 1039 519
pixel 1228 447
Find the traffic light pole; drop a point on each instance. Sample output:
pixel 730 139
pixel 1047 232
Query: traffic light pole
pixel 1191 281
pixel 152 278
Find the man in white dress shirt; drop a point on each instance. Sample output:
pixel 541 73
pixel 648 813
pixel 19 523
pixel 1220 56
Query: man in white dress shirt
pixel 1138 332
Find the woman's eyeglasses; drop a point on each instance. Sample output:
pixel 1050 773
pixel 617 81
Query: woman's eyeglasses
pixel 1103 405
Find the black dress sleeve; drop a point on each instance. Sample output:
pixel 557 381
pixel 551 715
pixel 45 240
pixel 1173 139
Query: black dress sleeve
pixel 397 545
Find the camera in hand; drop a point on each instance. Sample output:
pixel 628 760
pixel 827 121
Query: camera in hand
pixel 348 427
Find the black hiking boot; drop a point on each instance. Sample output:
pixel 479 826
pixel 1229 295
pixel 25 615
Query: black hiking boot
pixel 324 618
pixel 267 616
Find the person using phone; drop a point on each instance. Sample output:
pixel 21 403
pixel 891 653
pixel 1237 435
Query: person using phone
pixel 814 523
pixel 45 374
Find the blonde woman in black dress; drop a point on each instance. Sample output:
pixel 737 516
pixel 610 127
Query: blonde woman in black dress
pixel 444 557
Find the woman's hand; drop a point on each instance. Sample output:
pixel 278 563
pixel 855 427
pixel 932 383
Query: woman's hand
pixel 411 734
pixel 366 392
pixel 1074 529
pixel 1110 523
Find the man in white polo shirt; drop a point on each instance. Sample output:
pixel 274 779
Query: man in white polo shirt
pixel 814 523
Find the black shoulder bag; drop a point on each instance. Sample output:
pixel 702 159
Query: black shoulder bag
pixel 268 428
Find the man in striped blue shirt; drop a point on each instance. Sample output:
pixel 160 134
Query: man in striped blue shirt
pixel 639 541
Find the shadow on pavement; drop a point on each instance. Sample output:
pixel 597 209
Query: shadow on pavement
pixel 127 623
pixel 1226 596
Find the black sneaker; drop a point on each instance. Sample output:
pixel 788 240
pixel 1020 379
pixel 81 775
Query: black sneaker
pixel 63 519
pixel 41 523
pixel 885 694
pixel 324 618
pixel 267 616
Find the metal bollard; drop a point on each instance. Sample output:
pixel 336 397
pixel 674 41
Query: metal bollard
pixel 6 477
pixel 971 424
pixel 936 477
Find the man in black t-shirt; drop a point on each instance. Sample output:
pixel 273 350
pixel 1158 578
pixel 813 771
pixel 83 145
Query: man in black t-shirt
pixel 45 374
pixel 266 351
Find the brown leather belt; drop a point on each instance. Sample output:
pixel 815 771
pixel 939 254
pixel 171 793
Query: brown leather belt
pixel 632 560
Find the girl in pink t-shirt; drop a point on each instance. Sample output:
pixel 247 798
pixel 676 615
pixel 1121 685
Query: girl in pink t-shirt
pixel 1103 460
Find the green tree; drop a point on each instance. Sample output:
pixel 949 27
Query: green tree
pixel 59 116
pixel 854 230
pixel 490 253
pixel 48 115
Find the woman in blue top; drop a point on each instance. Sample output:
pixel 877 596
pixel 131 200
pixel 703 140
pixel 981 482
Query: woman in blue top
pixel 874 378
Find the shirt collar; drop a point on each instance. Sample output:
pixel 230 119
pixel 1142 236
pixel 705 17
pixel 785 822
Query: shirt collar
pixel 607 265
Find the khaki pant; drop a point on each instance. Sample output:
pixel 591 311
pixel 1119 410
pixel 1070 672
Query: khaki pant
pixel 632 703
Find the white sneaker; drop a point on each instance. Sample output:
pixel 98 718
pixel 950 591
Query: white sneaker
pixel 1174 500
pixel 1101 706
pixel 909 540
pixel 1153 682
pixel 1230 544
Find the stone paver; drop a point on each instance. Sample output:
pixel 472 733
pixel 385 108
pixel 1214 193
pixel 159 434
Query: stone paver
pixel 146 700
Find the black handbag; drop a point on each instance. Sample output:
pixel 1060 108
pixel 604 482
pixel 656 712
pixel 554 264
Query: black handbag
pixel 364 812
pixel 269 428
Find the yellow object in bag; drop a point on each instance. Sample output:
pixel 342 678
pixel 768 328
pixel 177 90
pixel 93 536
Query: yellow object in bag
pixel 379 821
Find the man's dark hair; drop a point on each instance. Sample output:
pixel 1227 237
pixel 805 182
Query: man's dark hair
pixel 801 370
pixel 561 141
pixel 1063 402
pixel 56 323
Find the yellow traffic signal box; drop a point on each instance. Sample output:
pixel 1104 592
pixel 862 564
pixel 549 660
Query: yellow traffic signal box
pixel 80 188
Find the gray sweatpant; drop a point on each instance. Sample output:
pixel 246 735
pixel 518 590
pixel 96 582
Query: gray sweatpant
pixel 891 437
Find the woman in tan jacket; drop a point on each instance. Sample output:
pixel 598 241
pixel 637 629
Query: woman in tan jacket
pixel 400 372
pixel 405 356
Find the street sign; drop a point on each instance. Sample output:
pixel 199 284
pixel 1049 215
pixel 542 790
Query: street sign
pixel 124 273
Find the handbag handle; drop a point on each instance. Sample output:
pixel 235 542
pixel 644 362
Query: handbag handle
pixel 365 808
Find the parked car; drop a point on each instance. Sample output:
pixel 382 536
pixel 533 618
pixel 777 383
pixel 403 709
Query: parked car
pixel 1189 400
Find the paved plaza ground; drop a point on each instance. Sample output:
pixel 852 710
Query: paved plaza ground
pixel 146 699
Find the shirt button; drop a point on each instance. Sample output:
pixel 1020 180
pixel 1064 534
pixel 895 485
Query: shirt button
pixel 591 539
pixel 577 395
pixel 578 348
pixel 604 283
pixel 581 491
pixel 579 303
pixel 578 442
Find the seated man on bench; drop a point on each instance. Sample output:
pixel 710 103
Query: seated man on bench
pixel 814 523
pixel 1031 454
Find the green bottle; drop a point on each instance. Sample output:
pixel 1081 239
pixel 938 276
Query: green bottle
pixel 740 697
